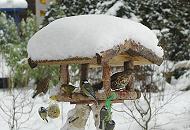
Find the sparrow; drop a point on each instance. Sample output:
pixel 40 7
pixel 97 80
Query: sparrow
pixel 43 113
pixel 110 125
pixel 42 86
pixel 88 90
pixel 68 89
pixel 103 115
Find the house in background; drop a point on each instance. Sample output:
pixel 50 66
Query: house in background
pixel 14 8
pixel 4 73
pixel 18 9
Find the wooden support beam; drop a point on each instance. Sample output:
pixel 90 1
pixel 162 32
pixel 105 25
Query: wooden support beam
pixel 129 69
pixel 79 98
pixel 83 72
pixel 64 74
pixel 106 78
pixel 128 65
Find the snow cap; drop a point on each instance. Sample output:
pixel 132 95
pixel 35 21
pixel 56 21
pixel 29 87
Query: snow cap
pixel 86 35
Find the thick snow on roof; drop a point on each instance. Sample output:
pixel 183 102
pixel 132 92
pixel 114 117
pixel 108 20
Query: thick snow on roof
pixel 13 4
pixel 86 35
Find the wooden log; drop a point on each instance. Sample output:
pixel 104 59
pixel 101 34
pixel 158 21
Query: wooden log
pixel 79 98
pixel 106 78
pixel 64 74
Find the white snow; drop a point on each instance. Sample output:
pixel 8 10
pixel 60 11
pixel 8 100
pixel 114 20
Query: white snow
pixel 182 64
pixel 86 35
pixel 113 10
pixel 13 4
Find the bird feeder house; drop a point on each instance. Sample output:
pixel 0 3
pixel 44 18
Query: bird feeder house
pixel 132 50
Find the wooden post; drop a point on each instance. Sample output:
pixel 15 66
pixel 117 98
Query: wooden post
pixel 83 72
pixel 106 78
pixel 129 69
pixel 64 74
pixel 128 65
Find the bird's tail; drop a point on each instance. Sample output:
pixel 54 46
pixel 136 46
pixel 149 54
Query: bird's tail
pixel 101 125
pixel 46 120
pixel 35 94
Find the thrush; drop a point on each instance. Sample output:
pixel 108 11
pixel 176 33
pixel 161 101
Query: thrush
pixel 119 80
pixel 42 86
pixel 43 113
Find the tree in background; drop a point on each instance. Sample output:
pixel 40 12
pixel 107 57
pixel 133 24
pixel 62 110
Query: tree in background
pixel 13 45
pixel 16 109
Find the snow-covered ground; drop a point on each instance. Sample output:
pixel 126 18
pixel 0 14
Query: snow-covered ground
pixel 170 109
pixel 175 115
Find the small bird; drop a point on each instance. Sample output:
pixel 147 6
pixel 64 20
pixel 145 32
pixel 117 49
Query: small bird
pixel 110 125
pixel 121 80
pixel 68 89
pixel 31 63
pixel 88 90
pixel 103 115
pixel 42 86
pixel 43 113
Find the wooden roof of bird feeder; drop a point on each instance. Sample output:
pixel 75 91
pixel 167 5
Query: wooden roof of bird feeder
pixel 94 41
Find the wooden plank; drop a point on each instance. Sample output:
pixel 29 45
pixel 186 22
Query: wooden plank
pixel 94 102
pixel 78 60
pixel 79 98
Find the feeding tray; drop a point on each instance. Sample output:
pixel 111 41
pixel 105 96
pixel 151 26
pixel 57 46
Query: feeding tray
pixel 133 51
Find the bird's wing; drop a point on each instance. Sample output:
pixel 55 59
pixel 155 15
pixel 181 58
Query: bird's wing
pixel 90 91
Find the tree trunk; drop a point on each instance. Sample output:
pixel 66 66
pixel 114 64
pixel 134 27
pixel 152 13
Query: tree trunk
pixel 77 118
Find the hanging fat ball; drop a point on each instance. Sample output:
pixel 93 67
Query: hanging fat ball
pixel 53 111
pixel 110 125
pixel 42 86
pixel 121 80
pixel 88 90
pixel 104 113
pixel 43 113
pixel 68 89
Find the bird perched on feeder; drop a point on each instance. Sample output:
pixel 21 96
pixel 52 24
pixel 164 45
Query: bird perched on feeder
pixel 42 86
pixel 31 63
pixel 121 80
pixel 104 113
pixel 68 89
pixel 88 90
pixel 43 113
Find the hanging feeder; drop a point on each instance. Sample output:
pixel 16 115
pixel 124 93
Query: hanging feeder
pixel 124 54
